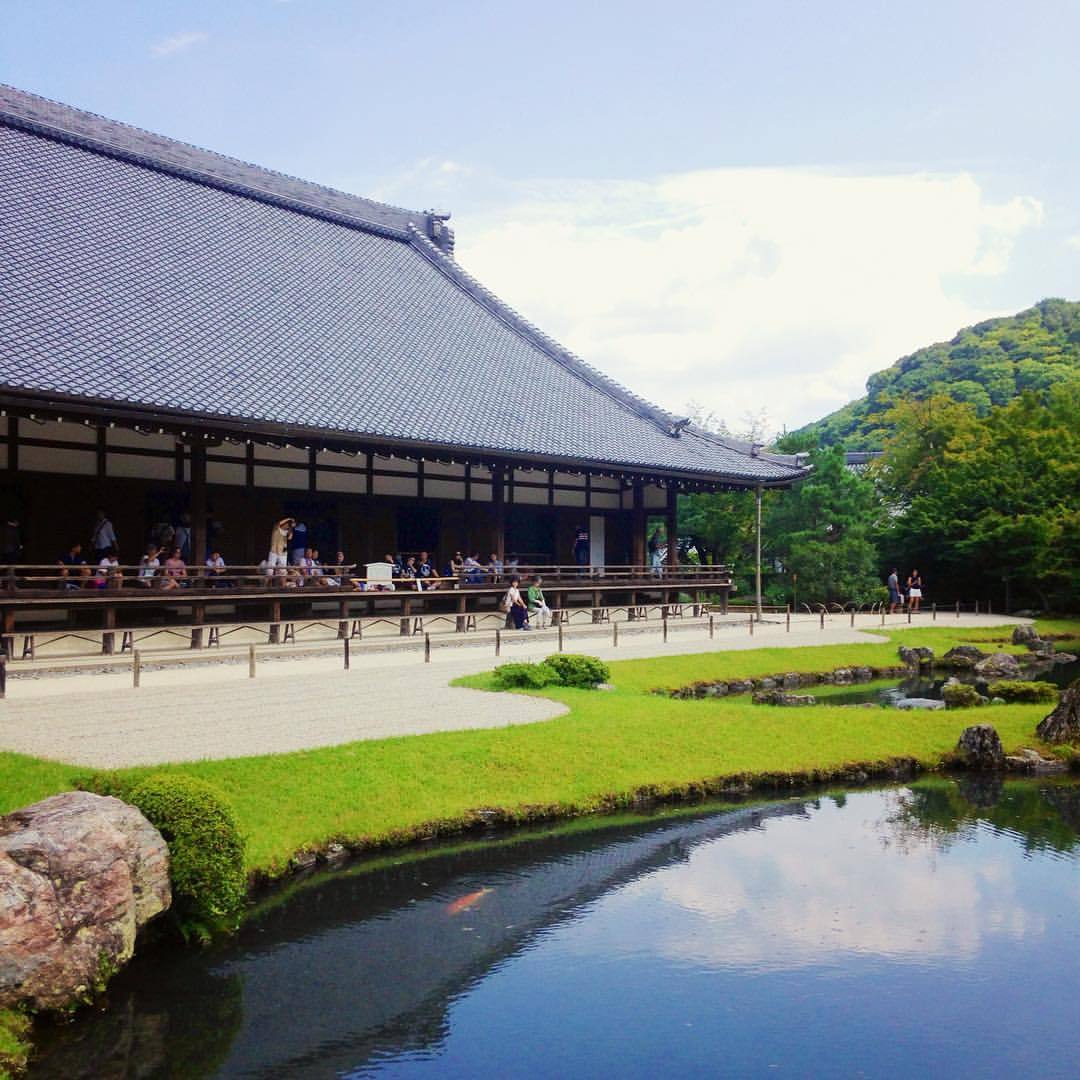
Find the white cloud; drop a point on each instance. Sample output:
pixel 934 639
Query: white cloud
pixel 735 288
pixel 1073 241
pixel 178 43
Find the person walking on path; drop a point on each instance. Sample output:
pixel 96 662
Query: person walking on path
pixel 537 605
pixel 914 590
pixel 103 537
pixel 894 590
pixel 278 559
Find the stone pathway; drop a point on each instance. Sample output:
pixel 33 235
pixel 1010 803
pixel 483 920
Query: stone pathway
pixel 214 710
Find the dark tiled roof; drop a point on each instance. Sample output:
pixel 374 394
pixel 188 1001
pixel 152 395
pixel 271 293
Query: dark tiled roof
pixel 142 271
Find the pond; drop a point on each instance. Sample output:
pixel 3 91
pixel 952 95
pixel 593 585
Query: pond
pixel 886 932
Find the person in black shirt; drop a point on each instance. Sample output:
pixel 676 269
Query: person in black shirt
pixel 72 559
pixel 581 548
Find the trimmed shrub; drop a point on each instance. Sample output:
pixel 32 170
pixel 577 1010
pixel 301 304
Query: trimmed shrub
pixel 1018 690
pixel 525 676
pixel 960 696
pixel 206 851
pixel 572 669
pixel 105 783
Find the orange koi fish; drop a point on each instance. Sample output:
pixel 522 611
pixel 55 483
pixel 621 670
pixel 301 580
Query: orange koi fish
pixel 467 902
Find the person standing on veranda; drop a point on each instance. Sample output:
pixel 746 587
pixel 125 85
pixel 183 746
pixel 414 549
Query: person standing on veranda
pixel 280 535
pixel 103 537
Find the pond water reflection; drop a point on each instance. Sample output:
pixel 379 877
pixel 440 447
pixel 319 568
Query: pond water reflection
pixel 872 931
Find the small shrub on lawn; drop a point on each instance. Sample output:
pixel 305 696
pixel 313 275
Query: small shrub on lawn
pixel 105 783
pixel 1029 692
pixel 525 676
pixel 960 696
pixel 575 670
pixel 206 851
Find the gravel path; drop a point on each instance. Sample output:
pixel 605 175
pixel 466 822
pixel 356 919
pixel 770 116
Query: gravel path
pixel 215 711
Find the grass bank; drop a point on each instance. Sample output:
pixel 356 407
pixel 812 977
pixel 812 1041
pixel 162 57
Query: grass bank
pixel 609 747
pixel 14 1042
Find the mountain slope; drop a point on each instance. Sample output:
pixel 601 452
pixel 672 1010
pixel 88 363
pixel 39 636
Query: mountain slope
pixel 987 364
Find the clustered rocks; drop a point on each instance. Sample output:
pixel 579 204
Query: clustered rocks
pixel 791 680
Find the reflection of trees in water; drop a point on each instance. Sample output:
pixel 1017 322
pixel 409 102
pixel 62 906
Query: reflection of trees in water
pixel 1040 815
pixel 147 1032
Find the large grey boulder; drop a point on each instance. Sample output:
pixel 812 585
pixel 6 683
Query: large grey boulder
pixel 1022 635
pixel 917 657
pixel 980 747
pixel 1063 724
pixel 963 656
pixel 999 664
pixel 920 703
pixel 79 875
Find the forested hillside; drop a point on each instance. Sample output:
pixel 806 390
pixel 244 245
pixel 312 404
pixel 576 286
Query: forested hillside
pixel 985 365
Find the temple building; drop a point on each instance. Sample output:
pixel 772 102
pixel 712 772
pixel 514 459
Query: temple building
pixel 184 332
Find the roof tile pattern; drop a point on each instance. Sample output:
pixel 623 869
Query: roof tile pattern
pixel 137 285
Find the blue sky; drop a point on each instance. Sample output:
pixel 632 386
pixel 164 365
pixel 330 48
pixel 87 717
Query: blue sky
pixel 745 205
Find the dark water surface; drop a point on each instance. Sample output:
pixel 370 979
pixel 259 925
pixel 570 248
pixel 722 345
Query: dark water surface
pixel 929 929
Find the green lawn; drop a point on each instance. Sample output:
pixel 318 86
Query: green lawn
pixel 609 744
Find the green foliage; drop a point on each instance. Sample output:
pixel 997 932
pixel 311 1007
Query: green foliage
pixel 822 529
pixel 1017 690
pixel 573 669
pixel 206 850
pixel 995 499
pixel 524 676
pixel 14 1042
pixel 984 366
pixel 960 696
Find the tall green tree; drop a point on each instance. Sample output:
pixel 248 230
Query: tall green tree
pixel 988 505
pixel 822 530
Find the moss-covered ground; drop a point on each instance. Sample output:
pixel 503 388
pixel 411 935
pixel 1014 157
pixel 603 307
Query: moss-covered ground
pixel 607 747
pixel 14 1042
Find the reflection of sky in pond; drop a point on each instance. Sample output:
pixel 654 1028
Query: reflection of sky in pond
pixel 832 944
pixel 926 929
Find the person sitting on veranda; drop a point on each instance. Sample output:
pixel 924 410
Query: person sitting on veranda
pixel 73 563
pixel 109 574
pixel 175 574
pixel 495 568
pixel 514 605
pixel 149 565
pixel 216 568
pixel 338 571
pixel 539 612
pixel 316 573
pixel 474 571
pixel 457 565
pixel 425 572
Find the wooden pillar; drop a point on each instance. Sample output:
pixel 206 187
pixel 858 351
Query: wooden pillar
pixel 638 526
pixel 198 505
pixel 498 514
pixel 672 526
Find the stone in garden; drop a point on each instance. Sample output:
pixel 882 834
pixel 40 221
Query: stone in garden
pixel 1003 665
pixel 779 697
pixel 963 656
pixel 863 674
pixel 1022 635
pixel 917 657
pixel 1063 724
pixel 792 681
pixel 80 874
pixel 740 686
pixel 767 684
pixel 843 675
pixel 1063 658
pixel 980 747
pixel 1031 761
pixel 920 703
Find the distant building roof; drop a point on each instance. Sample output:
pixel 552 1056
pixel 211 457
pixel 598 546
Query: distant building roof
pixel 144 272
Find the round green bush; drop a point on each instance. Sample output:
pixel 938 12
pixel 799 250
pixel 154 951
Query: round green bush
pixel 526 676
pixel 206 850
pixel 575 670
pixel 1018 690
